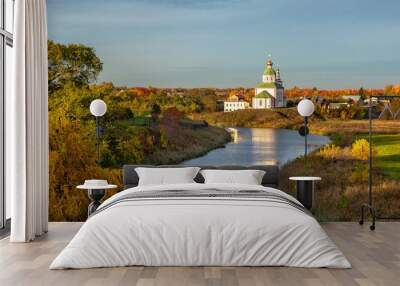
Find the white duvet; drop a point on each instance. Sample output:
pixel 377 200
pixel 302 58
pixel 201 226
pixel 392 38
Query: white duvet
pixel 200 231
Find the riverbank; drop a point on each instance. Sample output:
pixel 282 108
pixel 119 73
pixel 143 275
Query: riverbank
pixel 334 126
pixel 73 158
pixel 288 118
pixel 191 143
pixel 344 185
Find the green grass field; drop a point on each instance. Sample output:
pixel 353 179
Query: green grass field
pixel 136 121
pixel 388 159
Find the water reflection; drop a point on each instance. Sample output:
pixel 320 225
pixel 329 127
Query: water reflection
pixel 260 146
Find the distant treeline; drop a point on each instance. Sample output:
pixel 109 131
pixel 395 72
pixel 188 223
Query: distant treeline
pixel 332 94
pixel 215 94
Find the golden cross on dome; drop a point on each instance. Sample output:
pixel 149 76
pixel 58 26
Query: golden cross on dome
pixel 269 61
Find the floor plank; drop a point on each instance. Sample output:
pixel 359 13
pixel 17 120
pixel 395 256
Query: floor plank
pixel 375 257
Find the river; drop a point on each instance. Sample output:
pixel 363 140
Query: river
pixel 260 146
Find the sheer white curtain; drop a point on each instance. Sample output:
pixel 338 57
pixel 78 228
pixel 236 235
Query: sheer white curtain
pixel 27 124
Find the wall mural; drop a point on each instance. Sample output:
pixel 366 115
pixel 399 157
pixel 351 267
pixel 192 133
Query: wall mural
pixel 192 84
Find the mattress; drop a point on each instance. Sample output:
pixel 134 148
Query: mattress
pixel 201 225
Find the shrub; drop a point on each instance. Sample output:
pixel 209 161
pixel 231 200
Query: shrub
pixel 360 150
pixel 331 152
pixel 337 139
pixel 359 175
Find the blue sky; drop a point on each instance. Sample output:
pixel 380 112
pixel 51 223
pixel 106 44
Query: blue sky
pixel 224 43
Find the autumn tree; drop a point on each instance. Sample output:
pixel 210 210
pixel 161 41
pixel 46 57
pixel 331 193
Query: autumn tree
pixel 71 63
pixel 171 117
pixel 170 124
pixel 361 93
pixel 155 111
pixel 388 89
pixel 72 159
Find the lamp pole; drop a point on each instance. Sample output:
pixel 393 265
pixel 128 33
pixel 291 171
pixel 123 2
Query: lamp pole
pixel 98 138
pixel 305 108
pixel 305 138
pixel 369 206
pixel 370 153
pixel 98 108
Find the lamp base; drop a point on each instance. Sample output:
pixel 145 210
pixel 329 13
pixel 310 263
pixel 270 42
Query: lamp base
pixel 372 212
pixel 95 195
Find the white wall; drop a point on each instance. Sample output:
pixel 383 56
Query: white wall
pixel 235 105
pixel 261 103
pixel 268 78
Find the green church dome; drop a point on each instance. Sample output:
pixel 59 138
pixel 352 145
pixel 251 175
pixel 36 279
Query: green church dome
pixel 264 94
pixel 268 69
pixel 267 85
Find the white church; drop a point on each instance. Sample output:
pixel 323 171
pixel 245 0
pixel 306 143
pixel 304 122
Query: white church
pixel 270 92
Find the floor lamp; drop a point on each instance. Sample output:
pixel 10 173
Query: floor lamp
pixel 98 108
pixel 305 108
pixel 369 206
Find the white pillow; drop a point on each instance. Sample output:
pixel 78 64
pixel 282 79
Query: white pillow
pixel 166 176
pixel 248 177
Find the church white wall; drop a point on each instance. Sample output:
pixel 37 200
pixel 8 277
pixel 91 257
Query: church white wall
pixel 261 103
pixel 268 78
pixel 257 103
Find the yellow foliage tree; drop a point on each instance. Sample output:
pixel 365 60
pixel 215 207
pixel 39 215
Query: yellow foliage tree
pixel 331 152
pixel 72 160
pixel 360 150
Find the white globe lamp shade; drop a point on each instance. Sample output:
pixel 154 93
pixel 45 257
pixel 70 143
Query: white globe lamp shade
pixel 305 107
pixel 98 107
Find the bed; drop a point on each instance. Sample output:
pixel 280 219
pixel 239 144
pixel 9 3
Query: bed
pixel 201 224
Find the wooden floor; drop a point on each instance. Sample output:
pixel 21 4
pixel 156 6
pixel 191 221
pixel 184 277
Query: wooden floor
pixel 375 257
